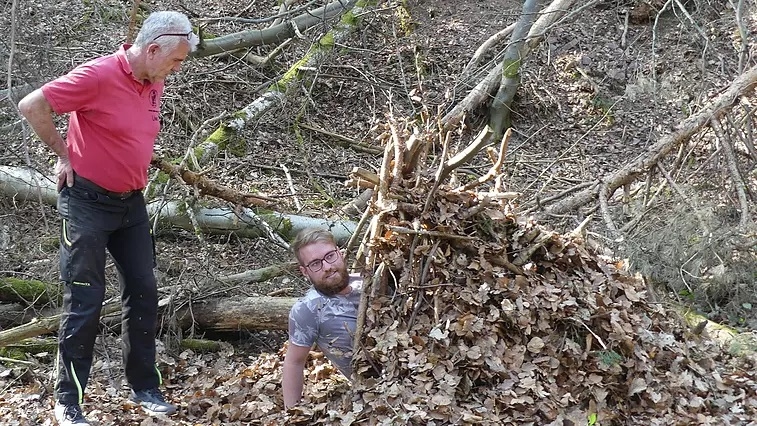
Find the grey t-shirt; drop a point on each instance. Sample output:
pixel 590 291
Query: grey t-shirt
pixel 329 322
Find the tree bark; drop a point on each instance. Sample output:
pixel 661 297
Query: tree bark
pixel 13 314
pixel 489 84
pixel 234 314
pixel 275 34
pixel 253 313
pixel 22 184
pixel 229 314
pixel 499 113
pixel 276 92
pixel 44 325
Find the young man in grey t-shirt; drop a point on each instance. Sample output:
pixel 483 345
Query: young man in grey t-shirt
pixel 325 316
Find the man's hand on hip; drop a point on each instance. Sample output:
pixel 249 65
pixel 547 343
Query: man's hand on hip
pixel 65 173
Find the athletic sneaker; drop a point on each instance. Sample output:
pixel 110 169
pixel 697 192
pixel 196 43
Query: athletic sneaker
pixel 69 415
pixel 152 401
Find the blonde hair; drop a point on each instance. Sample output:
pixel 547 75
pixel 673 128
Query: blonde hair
pixel 309 236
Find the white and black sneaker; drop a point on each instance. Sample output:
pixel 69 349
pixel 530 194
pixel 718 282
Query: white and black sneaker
pixel 71 414
pixel 152 401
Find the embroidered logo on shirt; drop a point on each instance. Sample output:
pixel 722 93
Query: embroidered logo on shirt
pixel 154 98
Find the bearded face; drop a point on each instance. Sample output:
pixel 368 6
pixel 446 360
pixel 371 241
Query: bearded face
pixel 324 266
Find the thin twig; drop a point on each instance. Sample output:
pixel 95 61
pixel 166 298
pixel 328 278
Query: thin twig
pixel 743 34
pixel 599 339
pixel 684 199
pixel 290 182
pixel 604 196
pixel 355 235
pixel 496 167
pixel 402 230
pixel 399 149
pixel 733 167
pixel 193 219
pixel 439 173
pixel 15 361
pixel 476 58
pixel 654 40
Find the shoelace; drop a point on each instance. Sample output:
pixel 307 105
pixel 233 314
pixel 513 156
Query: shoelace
pixel 72 412
pixel 155 394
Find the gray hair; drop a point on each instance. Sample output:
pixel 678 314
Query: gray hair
pixel 162 23
pixel 309 236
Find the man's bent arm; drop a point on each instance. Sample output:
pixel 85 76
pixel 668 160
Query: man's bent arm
pixel 292 374
pixel 38 113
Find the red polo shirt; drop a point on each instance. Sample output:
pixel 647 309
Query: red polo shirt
pixel 113 123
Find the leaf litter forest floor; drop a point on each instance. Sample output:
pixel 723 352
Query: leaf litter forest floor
pixel 587 105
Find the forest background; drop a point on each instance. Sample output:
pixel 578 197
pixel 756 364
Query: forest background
pixel 598 92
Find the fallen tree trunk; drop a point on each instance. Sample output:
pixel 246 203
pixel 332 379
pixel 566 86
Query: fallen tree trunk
pixel 39 326
pixel 682 132
pixel 230 314
pixel 29 292
pixel 13 314
pixel 22 184
pixel 273 35
pixel 269 313
pixel 499 111
pixel 234 314
pixel 486 87
pixel 21 350
pixel 277 91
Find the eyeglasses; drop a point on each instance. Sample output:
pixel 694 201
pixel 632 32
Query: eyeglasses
pixel 317 264
pixel 188 35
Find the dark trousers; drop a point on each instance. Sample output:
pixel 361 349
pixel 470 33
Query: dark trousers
pixel 92 222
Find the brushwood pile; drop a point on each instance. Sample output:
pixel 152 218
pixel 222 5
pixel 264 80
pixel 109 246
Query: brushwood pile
pixel 474 315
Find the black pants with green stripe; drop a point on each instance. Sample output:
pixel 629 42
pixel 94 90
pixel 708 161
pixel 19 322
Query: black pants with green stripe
pixel 92 223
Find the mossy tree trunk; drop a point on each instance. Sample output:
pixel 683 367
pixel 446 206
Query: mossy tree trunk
pixel 483 91
pixel 19 350
pixel 27 185
pixel 276 92
pixel 274 35
pixel 213 314
pixel 499 112
pixel 28 291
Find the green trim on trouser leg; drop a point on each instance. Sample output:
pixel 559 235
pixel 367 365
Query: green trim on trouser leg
pixel 78 385
pixel 160 376
pixel 64 235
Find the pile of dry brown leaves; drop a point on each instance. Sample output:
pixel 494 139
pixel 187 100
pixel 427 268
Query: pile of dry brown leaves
pixel 473 315
pixel 476 316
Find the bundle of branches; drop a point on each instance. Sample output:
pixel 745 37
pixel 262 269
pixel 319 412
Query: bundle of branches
pixel 475 316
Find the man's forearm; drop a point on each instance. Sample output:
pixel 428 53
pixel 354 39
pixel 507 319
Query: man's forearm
pixel 292 383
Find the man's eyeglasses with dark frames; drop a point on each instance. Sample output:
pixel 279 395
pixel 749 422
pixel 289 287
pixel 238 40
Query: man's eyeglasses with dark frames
pixel 317 264
pixel 188 35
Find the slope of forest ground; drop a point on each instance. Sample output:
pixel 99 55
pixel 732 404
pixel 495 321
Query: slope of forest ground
pixel 604 85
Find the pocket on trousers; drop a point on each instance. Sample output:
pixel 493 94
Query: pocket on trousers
pixel 63 204
pixel 65 251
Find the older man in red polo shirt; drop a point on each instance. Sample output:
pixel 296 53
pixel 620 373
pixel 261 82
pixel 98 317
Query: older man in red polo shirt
pixel 114 106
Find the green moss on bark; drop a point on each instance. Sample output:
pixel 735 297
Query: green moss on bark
pixel 16 289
